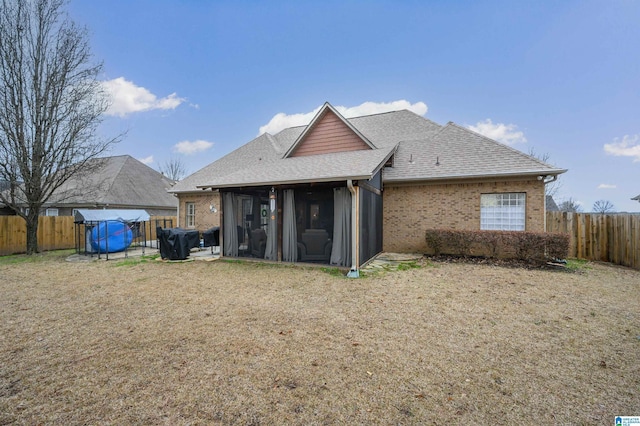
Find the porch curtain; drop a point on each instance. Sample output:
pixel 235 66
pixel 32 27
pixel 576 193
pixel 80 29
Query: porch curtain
pixel 230 226
pixel 255 211
pixel 289 231
pixel 341 252
pixel 271 250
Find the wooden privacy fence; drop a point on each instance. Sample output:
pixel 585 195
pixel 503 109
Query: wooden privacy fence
pixel 55 232
pixel 611 238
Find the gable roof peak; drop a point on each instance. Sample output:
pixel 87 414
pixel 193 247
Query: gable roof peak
pixel 324 109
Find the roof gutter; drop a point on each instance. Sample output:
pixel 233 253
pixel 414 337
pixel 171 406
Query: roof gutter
pixel 284 182
pixel 545 173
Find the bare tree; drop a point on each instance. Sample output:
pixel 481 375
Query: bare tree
pixel 51 104
pixel 570 205
pixel 603 206
pixel 173 168
pixel 552 188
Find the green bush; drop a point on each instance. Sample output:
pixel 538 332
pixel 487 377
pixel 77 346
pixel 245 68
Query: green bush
pixel 527 246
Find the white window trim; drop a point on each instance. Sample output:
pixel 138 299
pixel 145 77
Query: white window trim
pixel 190 213
pixel 506 211
pixel 51 210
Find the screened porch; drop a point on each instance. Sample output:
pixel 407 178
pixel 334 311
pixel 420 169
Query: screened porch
pixel 303 223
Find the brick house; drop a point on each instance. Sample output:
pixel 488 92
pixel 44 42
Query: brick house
pixel 339 191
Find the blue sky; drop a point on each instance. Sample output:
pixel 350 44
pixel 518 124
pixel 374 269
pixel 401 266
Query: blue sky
pixel 197 79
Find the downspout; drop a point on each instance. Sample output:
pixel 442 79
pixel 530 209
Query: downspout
pixel 178 212
pixel 353 272
pixel 544 179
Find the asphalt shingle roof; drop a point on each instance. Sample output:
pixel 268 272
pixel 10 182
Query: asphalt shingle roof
pixel 417 142
pixel 387 129
pixel 456 152
pixel 121 180
pixel 314 168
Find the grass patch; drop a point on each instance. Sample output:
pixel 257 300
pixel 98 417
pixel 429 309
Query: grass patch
pixel 258 264
pixel 336 272
pixel 45 256
pixel 132 261
pixel 577 265
pixel 392 266
pixel 405 266
pixel 216 343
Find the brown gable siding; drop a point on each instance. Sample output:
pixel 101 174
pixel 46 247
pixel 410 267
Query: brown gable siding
pixel 329 135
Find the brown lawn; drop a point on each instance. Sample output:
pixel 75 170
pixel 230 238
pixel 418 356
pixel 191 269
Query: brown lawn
pixel 243 343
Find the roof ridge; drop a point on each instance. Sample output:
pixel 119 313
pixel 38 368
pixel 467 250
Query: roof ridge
pixel 393 112
pixel 288 128
pixel 273 142
pixel 381 113
pixel 442 128
pixel 363 116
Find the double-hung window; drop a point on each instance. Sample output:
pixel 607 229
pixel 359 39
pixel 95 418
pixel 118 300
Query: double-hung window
pixel 190 219
pixel 503 212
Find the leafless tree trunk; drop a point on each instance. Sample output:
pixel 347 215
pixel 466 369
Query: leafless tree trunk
pixel 552 188
pixel 603 206
pixel 174 169
pixel 51 104
pixel 570 205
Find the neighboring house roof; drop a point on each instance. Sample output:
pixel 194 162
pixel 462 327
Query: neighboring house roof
pixel 551 205
pixel 119 181
pixel 422 150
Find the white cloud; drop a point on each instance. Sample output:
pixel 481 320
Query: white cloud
pixel 506 133
pixel 191 147
pixel 147 160
pixel 282 121
pixel 629 146
pixel 127 98
pixel 606 186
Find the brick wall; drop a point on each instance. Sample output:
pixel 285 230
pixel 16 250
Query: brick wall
pixel 410 210
pixel 204 218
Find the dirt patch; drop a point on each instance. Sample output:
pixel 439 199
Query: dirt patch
pixel 247 343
